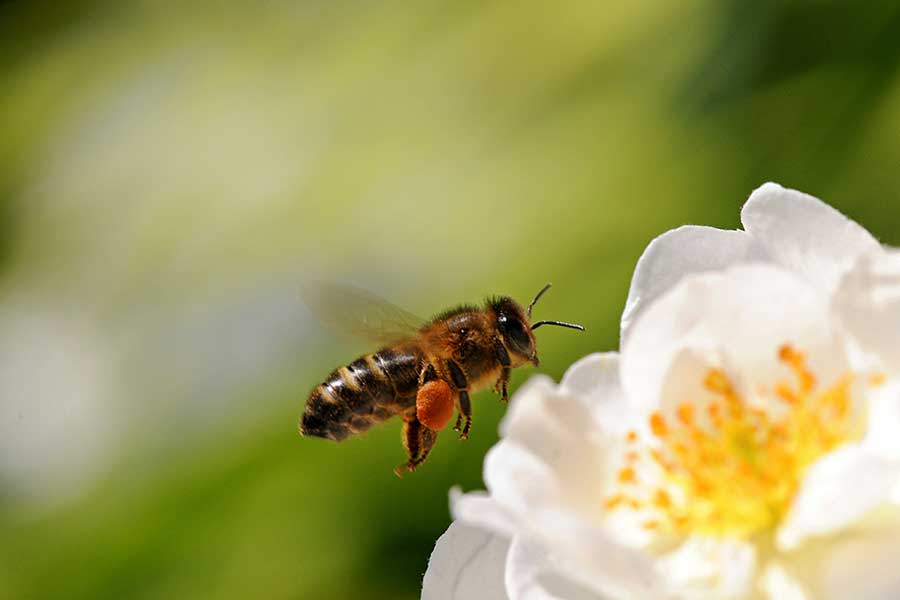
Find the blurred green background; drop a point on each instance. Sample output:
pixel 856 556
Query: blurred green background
pixel 170 174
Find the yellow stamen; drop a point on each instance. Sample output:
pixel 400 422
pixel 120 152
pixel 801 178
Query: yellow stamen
pixel 661 499
pixel 626 475
pixel 658 425
pixel 613 502
pixel 651 525
pixel 733 469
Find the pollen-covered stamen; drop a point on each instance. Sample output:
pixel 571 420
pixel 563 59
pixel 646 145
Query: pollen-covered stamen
pixel 732 468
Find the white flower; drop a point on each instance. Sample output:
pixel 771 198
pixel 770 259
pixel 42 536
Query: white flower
pixel 781 226
pixel 746 443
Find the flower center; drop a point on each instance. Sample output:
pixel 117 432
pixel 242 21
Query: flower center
pixel 728 468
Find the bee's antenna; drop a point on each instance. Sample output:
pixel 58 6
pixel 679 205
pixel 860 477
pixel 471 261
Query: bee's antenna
pixel 557 323
pixel 536 298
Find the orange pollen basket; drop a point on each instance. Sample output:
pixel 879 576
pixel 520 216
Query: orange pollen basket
pixel 730 468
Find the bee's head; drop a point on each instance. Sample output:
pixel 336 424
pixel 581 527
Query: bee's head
pixel 515 326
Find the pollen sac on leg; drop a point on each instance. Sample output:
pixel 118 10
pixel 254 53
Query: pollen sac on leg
pixel 434 404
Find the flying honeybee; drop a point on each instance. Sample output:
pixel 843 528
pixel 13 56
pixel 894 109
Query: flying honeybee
pixel 424 370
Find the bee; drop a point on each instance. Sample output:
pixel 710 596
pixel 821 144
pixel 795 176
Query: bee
pixel 424 371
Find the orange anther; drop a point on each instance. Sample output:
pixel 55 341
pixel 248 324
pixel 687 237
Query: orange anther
pixel 787 394
pixel 627 475
pixel 658 425
pixel 786 353
pixel 807 380
pixel 662 499
pixel 660 460
pixel 797 361
pixel 717 381
pixel 686 413
pixel 613 502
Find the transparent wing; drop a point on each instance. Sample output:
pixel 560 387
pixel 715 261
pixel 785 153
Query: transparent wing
pixel 360 313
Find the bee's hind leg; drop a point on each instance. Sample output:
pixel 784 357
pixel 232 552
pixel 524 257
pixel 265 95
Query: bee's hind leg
pixel 418 441
pixel 434 402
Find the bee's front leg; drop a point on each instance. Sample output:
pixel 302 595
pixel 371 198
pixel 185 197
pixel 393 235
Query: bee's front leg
pixel 462 389
pixel 501 385
pixel 503 358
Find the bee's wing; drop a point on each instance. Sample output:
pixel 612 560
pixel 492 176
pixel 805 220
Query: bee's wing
pixel 360 313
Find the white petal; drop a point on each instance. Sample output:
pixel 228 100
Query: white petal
pixel 859 564
pixel 584 552
pixel 805 234
pixel 778 584
pixel 863 568
pixel 736 319
pixel 868 301
pixel 593 373
pixel 466 563
pixel 680 252
pixel 540 410
pixel 552 450
pixel 547 477
pixel 520 480
pixel 479 509
pixel 707 568
pixel 588 553
pixel 837 491
pixel 594 381
pixel 883 434
pixel 531 575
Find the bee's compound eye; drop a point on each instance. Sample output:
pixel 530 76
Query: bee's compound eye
pixel 514 331
pixel 518 334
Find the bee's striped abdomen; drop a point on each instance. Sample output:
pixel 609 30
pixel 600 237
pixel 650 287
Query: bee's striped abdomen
pixel 401 368
pixel 369 390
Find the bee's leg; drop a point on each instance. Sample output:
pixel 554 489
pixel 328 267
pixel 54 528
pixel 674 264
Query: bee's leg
pixel 502 384
pixel 462 389
pixel 418 441
pixel 428 374
pixel 503 358
pixel 465 409
pixel 427 440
